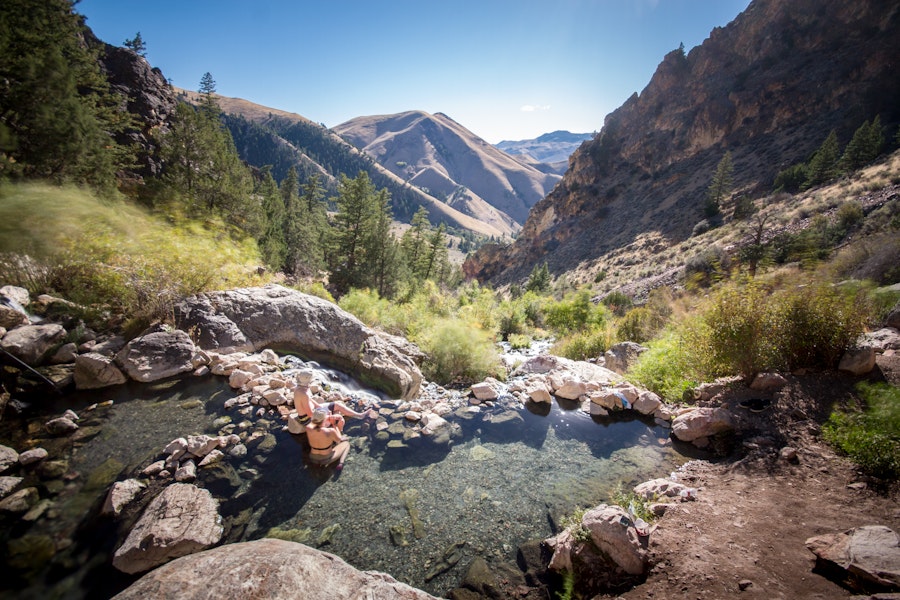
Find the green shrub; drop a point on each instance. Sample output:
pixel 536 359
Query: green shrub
pixel 812 326
pixel 631 502
pixel 711 265
pixel 519 342
pixel 618 303
pixel 457 351
pixel 870 438
pixel 584 345
pixel 665 367
pixel 574 312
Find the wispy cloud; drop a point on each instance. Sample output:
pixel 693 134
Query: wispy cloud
pixel 535 107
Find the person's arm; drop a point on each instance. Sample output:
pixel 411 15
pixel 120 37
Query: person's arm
pixel 335 434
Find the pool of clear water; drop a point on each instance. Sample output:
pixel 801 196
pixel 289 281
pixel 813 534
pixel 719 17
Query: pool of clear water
pixel 392 510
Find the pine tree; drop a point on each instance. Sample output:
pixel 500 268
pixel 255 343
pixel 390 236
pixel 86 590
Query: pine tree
pixel 58 114
pixel 823 166
pixel 864 147
pixel 539 280
pixel 720 188
pixel 354 215
pixel 414 242
pixel 137 45
pixel 437 251
pixel 272 245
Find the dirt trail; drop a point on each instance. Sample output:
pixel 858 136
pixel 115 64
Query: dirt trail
pixel 754 513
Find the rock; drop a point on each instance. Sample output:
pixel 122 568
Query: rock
pixel 30 343
pixel 620 543
pixel 157 355
pixel 94 371
pixel 60 426
pixel 8 458
pixel 480 579
pixel 538 392
pixel 858 360
pixel 120 495
pixel 109 347
pixel 21 501
pixel 788 454
pixel 187 472
pixel 582 370
pixel 622 355
pixel 489 389
pixel 32 456
pixel 886 338
pixel 201 445
pixel 768 382
pixel 154 469
pixel 659 488
pixel 181 520
pixel 571 389
pixel 266 568
pixel 893 318
pixel 211 458
pixel 701 423
pixel 868 557
pixel 647 403
pixel 275 316
pixel 18 295
pixel 8 484
pixel 11 317
pixel 744 584
pixel 65 354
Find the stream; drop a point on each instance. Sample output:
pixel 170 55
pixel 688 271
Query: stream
pixel 402 510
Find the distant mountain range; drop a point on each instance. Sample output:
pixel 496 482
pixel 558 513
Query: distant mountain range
pixel 441 157
pixel 553 149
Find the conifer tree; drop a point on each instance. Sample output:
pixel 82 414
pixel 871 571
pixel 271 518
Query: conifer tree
pixel 58 114
pixel 354 216
pixel 539 280
pixel 137 45
pixel 272 245
pixel 437 252
pixel 864 147
pixel 823 166
pixel 720 188
pixel 414 242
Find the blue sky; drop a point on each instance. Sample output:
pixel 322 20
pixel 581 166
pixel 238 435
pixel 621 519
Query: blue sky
pixel 504 69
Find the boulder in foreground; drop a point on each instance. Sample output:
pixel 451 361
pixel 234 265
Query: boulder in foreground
pixel 266 568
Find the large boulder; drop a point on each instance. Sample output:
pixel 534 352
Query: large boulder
pixel 30 343
pixel 94 371
pixel 701 423
pixel 267 568
pixel 251 319
pixel 546 364
pixel 868 558
pixel 157 355
pixel 181 520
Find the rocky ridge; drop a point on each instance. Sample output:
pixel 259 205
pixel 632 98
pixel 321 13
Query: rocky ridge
pixel 767 87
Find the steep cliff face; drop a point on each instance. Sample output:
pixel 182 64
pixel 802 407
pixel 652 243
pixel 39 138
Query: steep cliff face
pixel 150 100
pixel 768 87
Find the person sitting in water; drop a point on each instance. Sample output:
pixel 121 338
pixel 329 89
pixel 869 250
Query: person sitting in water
pixel 305 405
pixel 326 443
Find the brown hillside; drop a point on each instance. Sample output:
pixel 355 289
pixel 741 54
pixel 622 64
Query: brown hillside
pixel 437 154
pixel 768 87
pixel 486 221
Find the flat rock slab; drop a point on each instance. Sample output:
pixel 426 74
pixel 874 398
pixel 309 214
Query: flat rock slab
pixel 267 568
pixel 869 556
pixel 181 520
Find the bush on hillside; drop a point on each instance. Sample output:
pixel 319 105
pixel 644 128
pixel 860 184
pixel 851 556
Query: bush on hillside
pixel 574 312
pixel 711 265
pixel 587 344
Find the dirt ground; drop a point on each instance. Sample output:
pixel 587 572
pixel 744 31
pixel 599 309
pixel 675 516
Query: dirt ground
pixel 755 511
